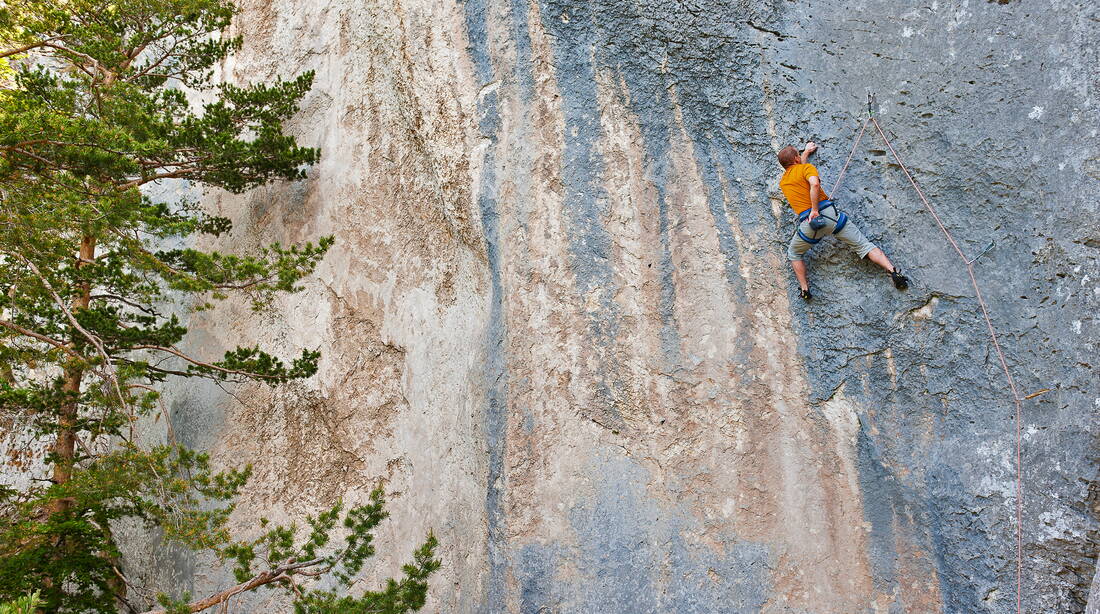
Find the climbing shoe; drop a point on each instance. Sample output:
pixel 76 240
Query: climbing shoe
pixel 805 294
pixel 901 282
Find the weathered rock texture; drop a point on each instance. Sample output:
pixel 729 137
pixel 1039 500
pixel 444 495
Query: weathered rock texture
pixel 558 321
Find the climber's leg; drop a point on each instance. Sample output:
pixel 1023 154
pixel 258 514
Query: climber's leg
pixel 852 237
pixel 795 250
pixel 803 283
pixel 877 256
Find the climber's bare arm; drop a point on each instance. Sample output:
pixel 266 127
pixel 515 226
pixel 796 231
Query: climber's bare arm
pixel 810 148
pixel 815 193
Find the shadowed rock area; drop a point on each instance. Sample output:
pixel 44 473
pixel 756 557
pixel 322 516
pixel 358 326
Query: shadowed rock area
pixel 559 323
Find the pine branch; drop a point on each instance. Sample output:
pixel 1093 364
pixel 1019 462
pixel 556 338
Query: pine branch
pixel 205 365
pixel 43 338
pixel 279 574
pixel 108 76
pixel 19 146
pixel 25 48
pixel 114 297
pixel 177 174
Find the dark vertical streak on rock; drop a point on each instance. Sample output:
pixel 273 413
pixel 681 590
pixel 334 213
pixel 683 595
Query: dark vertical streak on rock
pixel 878 511
pixel 967 568
pixel 572 28
pixel 670 334
pixel 702 55
pixel 496 420
pixel 713 166
pixel 651 104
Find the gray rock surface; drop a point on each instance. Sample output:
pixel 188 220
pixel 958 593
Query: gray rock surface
pixel 558 322
pixel 1093 606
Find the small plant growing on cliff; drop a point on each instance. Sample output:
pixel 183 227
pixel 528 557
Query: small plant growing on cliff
pixel 24 605
pixel 92 110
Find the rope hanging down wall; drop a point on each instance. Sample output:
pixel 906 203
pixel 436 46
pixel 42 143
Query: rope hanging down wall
pixel 969 263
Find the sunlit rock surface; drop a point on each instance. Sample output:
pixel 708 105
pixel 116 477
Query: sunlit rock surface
pixel 559 325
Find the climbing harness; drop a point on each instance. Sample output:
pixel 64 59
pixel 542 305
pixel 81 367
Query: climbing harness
pixel 841 220
pixel 969 264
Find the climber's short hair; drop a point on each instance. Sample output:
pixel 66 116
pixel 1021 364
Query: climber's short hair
pixel 789 155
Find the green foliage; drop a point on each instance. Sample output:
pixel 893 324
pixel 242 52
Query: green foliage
pixel 169 487
pixel 174 606
pixel 95 104
pixel 26 604
pixel 407 595
pixel 77 142
pixel 279 548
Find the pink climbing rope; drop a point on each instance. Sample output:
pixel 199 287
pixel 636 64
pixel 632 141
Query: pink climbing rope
pixel 849 160
pixel 992 334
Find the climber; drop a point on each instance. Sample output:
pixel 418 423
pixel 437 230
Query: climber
pixel 816 213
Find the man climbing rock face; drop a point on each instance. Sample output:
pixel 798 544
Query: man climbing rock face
pixel 818 218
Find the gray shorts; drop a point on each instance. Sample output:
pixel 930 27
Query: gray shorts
pixel 849 234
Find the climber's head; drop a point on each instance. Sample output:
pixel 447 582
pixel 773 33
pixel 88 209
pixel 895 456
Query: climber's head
pixel 789 156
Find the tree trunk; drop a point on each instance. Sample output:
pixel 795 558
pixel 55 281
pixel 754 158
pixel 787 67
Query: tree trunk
pixel 64 448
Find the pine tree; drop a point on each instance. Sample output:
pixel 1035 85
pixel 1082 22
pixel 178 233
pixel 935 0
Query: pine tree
pixel 93 107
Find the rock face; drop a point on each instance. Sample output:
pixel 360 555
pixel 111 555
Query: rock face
pixel 559 324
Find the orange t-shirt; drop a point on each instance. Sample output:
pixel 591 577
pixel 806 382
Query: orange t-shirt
pixel 796 186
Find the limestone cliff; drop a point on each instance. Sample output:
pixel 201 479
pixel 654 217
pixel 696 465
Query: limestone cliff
pixel 559 323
